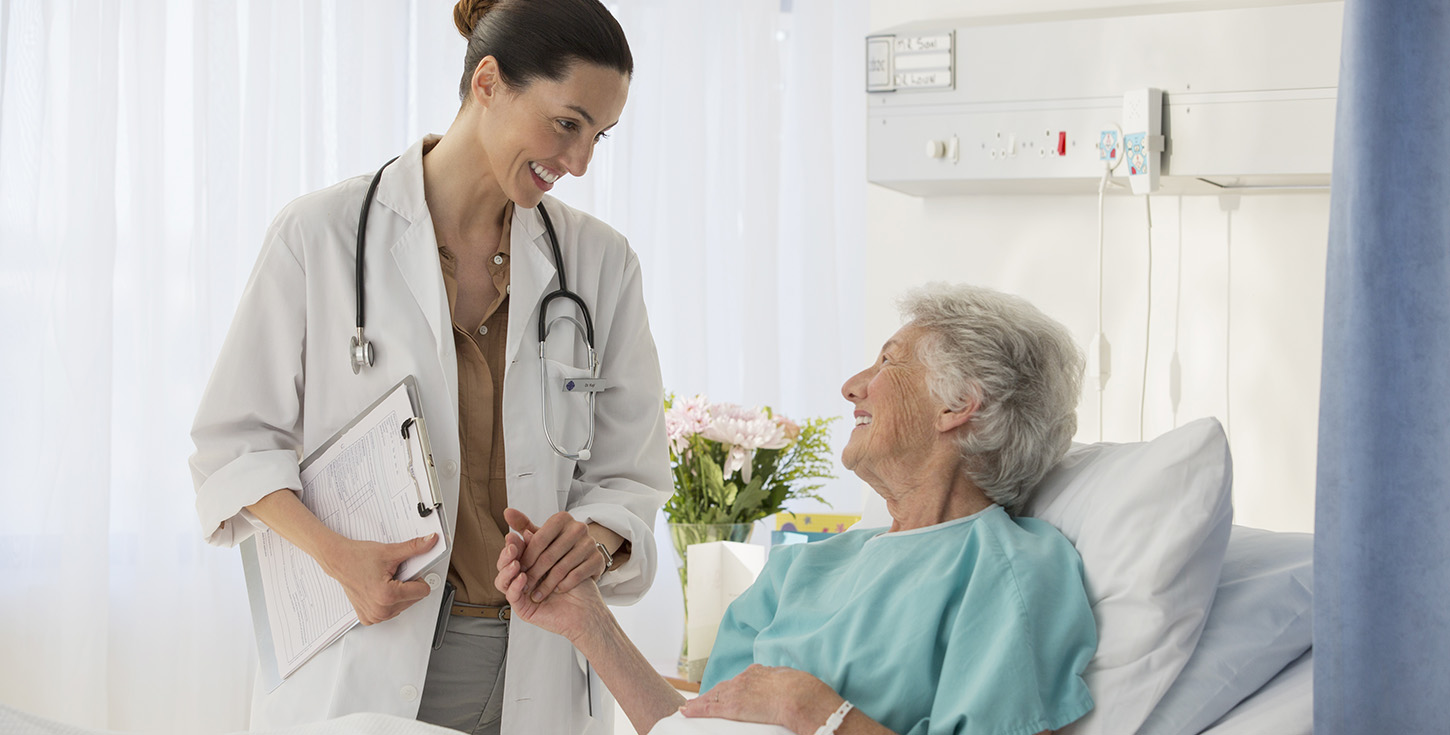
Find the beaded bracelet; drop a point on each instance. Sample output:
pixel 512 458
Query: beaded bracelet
pixel 834 721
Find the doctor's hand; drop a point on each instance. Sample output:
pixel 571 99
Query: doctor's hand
pixel 366 569
pixel 557 556
pixel 573 613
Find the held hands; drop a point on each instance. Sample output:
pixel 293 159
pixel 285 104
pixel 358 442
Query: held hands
pixel 556 557
pixel 366 569
pixel 569 613
pixel 772 695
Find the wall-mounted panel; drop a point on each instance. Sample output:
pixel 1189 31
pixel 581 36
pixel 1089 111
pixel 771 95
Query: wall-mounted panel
pixel 1248 102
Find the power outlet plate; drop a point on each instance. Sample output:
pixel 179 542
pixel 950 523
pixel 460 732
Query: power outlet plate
pixel 1110 149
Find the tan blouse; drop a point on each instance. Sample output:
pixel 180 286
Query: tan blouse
pixel 482 490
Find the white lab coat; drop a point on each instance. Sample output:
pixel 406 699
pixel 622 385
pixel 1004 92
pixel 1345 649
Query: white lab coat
pixel 283 384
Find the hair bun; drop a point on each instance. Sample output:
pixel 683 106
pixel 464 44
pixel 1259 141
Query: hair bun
pixel 467 13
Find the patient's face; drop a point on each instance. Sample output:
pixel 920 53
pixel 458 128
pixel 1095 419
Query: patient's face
pixel 895 412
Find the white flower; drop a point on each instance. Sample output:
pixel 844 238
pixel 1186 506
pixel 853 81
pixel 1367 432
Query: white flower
pixel 685 419
pixel 743 430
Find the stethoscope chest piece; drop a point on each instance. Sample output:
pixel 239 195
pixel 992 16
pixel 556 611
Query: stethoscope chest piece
pixel 362 352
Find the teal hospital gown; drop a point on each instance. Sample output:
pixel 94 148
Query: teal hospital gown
pixel 977 626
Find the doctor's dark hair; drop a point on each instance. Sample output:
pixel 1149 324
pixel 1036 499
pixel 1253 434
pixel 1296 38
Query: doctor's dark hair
pixel 534 39
pixel 1021 369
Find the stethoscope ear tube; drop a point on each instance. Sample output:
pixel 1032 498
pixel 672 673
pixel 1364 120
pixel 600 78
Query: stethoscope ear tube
pixel 544 316
pixel 360 348
pixel 563 290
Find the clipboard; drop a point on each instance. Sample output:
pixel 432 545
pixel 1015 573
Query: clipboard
pixel 373 480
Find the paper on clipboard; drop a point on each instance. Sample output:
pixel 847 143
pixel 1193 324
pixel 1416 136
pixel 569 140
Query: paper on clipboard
pixel 372 481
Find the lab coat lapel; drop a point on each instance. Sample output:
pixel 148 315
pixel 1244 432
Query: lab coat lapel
pixel 415 248
pixel 532 276
pixel 416 254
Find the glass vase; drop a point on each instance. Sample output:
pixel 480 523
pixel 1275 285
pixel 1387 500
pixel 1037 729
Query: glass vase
pixel 682 537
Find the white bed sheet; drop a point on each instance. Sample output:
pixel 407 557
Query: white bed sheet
pixel 16 722
pixel 678 724
pixel 1284 706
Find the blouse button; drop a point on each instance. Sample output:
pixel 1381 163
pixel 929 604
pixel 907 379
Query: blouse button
pixel 450 468
pixel 408 693
pixel 483 329
pixel 498 260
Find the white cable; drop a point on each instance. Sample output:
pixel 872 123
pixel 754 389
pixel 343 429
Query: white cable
pixel 1102 188
pixel 1228 258
pixel 1110 164
pixel 1147 321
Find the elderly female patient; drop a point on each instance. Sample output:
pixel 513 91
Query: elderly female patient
pixel 959 618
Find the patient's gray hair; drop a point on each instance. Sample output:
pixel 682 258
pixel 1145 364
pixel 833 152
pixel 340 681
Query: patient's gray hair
pixel 1020 367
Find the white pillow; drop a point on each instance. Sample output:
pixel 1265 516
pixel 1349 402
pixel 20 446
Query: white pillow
pixel 1151 521
pixel 1260 622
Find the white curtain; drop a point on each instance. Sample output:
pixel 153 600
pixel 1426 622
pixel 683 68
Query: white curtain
pixel 739 174
pixel 144 147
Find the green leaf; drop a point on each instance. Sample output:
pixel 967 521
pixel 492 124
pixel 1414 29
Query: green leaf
pixel 713 478
pixel 749 500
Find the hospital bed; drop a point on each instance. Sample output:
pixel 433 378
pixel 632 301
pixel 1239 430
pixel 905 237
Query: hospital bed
pixel 1204 627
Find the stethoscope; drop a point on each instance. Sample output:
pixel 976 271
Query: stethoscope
pixel 362 353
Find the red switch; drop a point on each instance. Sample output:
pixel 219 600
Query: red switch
pixel 1062 143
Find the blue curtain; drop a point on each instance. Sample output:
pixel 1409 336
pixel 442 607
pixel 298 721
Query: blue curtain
pixel 1382 544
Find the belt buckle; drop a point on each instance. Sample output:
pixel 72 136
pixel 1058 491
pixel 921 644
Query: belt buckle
pixel 504 613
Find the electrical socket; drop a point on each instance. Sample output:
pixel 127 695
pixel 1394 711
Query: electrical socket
pixel 1108 149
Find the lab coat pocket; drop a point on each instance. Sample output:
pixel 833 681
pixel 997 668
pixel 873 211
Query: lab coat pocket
pixel 567 406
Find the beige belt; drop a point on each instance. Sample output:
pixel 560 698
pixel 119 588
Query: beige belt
pixel 483 611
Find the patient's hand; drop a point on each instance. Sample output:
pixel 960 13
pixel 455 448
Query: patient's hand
pixel 771 695
pixel 572 613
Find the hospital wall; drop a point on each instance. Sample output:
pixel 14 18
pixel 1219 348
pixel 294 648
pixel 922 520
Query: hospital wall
pixel 1232 326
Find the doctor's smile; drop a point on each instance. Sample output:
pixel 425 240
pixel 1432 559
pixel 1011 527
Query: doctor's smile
pixel 548 177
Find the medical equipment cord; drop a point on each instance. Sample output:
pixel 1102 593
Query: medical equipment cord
pixel 1147 322
pixel 1102 189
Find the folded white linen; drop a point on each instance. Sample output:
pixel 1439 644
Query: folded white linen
pixel 678 724
pixel 16 722
pixel 1284 706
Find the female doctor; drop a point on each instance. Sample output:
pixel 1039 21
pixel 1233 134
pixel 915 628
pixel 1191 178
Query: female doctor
pixel 459 253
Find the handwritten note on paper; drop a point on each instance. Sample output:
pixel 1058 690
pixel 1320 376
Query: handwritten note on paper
pixel 366 485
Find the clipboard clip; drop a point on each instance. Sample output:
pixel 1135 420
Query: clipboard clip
pixel 424 509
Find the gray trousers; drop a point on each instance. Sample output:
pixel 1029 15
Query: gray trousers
pixel 464 689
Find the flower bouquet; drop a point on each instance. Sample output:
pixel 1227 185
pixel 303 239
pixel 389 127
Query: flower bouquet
pixel 737 465
pixel 733 466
